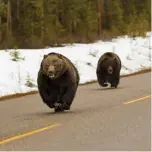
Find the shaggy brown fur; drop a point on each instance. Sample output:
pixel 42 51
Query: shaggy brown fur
pixel 57 80
pixel 108 69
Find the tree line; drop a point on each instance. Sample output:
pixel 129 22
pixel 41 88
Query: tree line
pixel 40 23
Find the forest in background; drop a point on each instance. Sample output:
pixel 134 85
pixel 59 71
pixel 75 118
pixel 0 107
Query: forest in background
pixel 41 23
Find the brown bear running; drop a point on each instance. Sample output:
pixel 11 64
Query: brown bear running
pixel 108 69
pixel 57 81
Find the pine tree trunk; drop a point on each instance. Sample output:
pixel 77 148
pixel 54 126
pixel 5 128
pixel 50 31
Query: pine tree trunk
pixel 32 31
pixel 18 9
pixel 99 18
pixel 42 21
pixel 0 25
pixel 9 22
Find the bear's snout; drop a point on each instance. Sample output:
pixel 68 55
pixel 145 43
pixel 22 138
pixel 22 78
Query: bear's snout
pixel 110 70
pixel 51 71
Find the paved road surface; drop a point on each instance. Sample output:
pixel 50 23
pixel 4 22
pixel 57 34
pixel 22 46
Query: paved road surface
pixel 98 120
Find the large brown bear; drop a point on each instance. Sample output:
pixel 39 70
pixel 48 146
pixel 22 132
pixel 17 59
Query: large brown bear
pixel 57 81
pixel 108 69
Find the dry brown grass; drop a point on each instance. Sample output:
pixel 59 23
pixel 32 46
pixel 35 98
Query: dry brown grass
pixel 136 73
pixel 18 95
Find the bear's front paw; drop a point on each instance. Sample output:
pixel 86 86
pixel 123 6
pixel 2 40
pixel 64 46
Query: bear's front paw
pixel 50 105
pixel 105 84
pixel 66 107
pixel 57 104
pixel 58 107
pixel 113 85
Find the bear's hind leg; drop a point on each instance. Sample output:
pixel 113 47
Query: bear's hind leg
pixel 59 106
pixel 115 83
pixel 53 98
pixel 68 96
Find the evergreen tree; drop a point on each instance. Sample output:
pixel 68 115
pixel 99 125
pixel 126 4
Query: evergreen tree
pixel 40 23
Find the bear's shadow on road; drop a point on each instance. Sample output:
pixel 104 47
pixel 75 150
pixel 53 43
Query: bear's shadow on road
pixel 107 88
pixel 48 113
pixel 56 113
pixel 52 113
pixel 72 112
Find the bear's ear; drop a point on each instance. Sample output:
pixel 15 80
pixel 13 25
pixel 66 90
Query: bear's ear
pixel 115 59
pixel 44 56
pixel 60 56
pixel 104 59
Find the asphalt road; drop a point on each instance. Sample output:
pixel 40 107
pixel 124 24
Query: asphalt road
pixel 99 119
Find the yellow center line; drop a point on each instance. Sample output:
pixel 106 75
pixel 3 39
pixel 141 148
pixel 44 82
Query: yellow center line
pixel 53 126
pixel 28 134
pixel 139 99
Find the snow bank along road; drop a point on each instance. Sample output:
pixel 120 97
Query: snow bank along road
pixel 100 119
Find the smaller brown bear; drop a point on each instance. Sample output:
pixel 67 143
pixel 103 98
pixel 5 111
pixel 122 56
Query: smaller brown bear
pixel 108 69
pixel 57 81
